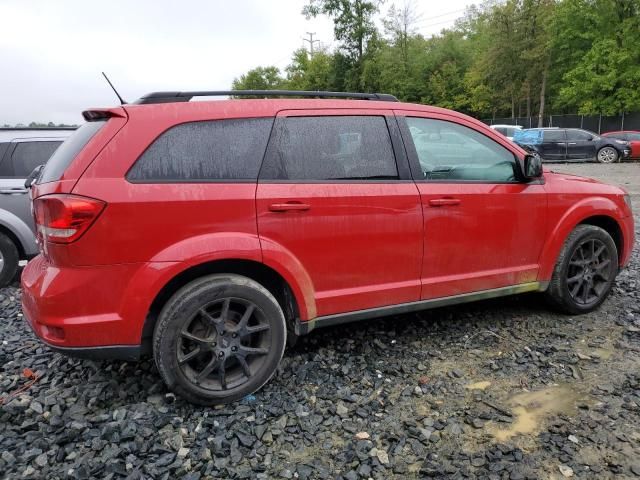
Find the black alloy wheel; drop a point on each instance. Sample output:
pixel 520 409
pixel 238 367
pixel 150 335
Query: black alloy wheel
pixel 585 271
pixel 219 338
pixel 223 345
pixel 589 271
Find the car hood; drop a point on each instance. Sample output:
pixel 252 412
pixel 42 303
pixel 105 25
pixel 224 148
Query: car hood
pixel 569 183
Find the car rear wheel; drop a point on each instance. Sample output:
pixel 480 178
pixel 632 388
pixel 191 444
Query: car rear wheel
pixel 585 271
pixel 607 155
pixel 9 259
pixel 219 338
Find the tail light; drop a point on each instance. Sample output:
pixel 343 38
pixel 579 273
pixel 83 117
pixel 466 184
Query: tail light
pixel 63 218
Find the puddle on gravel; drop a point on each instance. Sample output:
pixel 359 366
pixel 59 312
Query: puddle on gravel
pixel 478 385
pixel 530 409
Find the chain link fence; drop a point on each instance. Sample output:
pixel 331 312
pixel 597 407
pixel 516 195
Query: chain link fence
pixel 594 123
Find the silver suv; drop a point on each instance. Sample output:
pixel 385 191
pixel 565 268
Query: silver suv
pixel 21 151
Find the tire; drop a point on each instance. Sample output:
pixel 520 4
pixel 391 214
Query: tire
pixel 608 155
pixel 208 360
pixel 582 278
pixel 9 259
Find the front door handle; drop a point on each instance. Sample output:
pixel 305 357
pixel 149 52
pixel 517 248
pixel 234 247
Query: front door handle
pixel 289 206
pixel 13 191
pixel 443 202
pixel 572 143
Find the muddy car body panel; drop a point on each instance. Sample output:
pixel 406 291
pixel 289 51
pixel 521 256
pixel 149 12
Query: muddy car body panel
pixel 398 207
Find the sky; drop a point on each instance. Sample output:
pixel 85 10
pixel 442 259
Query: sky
pixel 52 52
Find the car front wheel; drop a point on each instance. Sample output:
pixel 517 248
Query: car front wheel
pixel 607 155
pixel 585 271
pixel 219 338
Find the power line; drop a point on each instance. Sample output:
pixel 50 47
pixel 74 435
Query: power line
pixel 445 14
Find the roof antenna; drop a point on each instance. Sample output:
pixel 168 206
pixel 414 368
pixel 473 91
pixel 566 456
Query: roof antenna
pixel 122 102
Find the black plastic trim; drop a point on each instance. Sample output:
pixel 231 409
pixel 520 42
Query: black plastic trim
pixel 303 328
pixel 168 97
pixel 115 352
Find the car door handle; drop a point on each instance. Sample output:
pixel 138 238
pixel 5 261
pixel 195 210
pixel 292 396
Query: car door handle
pixel 289 206
pixel 13 191
pixel 572 143
pixel 442 202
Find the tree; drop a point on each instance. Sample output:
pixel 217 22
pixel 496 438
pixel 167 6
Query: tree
pixel 353 24
pixel 259 78
pixel 603 67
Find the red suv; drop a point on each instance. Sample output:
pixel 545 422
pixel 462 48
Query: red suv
pixel 206 232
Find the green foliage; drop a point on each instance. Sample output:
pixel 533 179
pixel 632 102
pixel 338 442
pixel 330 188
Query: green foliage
pixel 503 57
pixel 260 78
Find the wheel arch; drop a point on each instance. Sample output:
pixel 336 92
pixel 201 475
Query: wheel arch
pixel 601 212
pixel 266 276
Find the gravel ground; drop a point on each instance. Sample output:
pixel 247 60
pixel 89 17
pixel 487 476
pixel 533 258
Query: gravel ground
pixel 627 174
pixel 501 389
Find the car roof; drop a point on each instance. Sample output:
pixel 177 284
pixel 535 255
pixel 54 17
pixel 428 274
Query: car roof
pixel 504 125
pixel 9 134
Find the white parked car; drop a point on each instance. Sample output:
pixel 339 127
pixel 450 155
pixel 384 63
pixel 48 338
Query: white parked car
pixel 507 130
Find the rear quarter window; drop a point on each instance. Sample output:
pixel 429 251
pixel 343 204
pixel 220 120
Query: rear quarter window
pixel 216 150
pixel 65 154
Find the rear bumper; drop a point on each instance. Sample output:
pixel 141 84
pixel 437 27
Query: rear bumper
pixel 95 312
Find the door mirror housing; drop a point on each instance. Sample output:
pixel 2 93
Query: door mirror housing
pixel 532 166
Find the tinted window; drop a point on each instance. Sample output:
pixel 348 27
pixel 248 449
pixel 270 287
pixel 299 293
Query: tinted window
pixel 331 148
pixel 634 137
pixel 28 155
pixel 203 151
pixel 502 130
pixel 64 155
pixel 578 135
pixel 448 151
pixel 4 166
pixel 554 136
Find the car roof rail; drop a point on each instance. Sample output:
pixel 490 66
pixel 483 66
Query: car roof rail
pixel 169 97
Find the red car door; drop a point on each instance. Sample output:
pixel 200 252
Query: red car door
pixel 335 204
pixel 484 228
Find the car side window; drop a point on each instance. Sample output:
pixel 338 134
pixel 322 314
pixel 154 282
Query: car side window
pixel 28 155
pixel 452 152
pixel 205 151
pixel 578 136
pixel 554 136
pixel 326 148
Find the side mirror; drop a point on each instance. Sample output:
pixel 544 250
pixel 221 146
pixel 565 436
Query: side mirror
pixel 33 176
pixel 532 166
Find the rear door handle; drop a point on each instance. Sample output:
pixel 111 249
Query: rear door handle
pixel 572 143
pixel 13 191
pixel 289 206
pixel 443 202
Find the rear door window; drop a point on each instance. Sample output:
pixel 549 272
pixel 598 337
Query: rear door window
pixel 554 136
pixel 218 150
pixel 328 148
pixel 29 155
pixel 64 155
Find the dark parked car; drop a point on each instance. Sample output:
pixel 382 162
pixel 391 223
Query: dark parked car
pixel 631 136
pixel 572 144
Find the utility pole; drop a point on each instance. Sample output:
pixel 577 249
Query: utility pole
pixel 310 40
